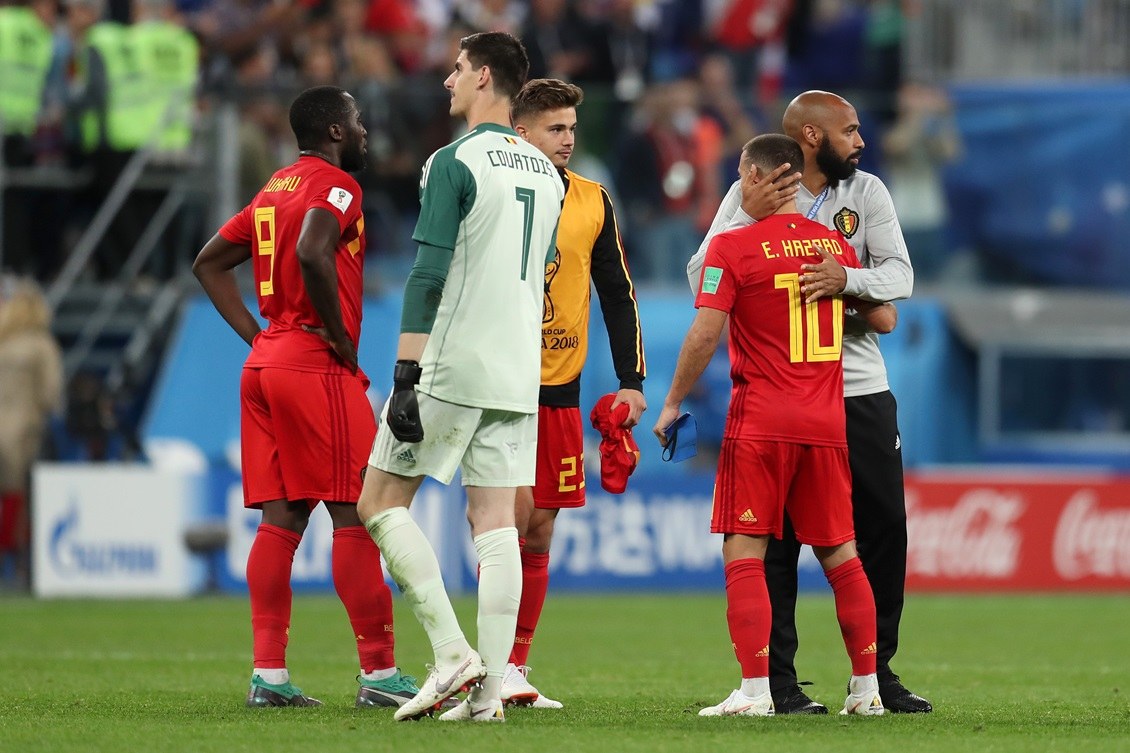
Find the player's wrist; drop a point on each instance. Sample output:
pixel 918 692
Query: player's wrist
pixel 406 374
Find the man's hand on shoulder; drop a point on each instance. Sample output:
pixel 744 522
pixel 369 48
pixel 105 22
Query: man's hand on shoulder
pixel 761 198
pixel 824 279
pixel 636 405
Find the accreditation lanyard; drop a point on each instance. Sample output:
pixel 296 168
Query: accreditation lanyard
pixel 817 204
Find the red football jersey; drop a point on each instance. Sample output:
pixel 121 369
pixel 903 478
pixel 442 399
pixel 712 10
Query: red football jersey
pixel 270 224
pixel 784 353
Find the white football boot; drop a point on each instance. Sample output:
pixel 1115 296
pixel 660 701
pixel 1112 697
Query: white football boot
pixel 517 690
pixel 739 704
pixel 441 684
pixel 465 712
pixel 863 697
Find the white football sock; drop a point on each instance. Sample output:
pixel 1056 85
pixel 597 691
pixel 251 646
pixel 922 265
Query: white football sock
pixel 752 687
pixel 500 590
pixel 413 566
pixel 378 674
pixel 272 676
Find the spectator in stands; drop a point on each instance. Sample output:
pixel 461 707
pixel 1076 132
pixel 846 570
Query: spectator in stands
pixel 231 28
pixel 264 136
pixel 557 41
pixel 319 66
pixel 621 38
pixel 678 37
pixel 752 34
pixel 491 15
pixel 826 47
pixel 25 62
pixel 724 105
pixel 922 140
pixel 167 59
pixel 883 56
pixel 668 178
pixel 31 374
pixel 398 24
pixel 398 120
pixel 131 88
pixel 91 422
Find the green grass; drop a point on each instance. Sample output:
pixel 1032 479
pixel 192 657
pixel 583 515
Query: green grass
pixel 1018 673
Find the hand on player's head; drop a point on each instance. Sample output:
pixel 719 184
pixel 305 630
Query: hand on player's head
pixel 761 197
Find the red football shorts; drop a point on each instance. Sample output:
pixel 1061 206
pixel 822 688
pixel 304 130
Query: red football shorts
pixel 561 459
pixel 758 480
pixel 304 435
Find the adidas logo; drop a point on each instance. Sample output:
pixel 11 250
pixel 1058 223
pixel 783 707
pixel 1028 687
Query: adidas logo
pixel 898 442
pixel 747 516
pixel 407 457
pixel 870 649
pixel 763 652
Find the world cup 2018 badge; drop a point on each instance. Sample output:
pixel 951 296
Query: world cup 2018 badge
pixel 846 221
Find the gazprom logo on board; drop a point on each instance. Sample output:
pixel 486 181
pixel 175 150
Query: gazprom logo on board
pixel 74 554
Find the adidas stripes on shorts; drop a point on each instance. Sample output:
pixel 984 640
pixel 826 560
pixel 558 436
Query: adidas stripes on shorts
pixel 494 448
pixel 303 435
pixel 758 480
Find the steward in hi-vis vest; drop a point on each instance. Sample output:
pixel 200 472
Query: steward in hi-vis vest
pixel 25 59
pixel 169 60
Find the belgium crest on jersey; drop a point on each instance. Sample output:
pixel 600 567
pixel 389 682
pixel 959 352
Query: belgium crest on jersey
pixel 846 221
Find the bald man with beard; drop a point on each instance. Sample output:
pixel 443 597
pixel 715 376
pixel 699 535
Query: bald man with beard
pixel 831 190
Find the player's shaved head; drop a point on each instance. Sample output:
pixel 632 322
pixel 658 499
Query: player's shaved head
pixel 814 107
pixel 827 128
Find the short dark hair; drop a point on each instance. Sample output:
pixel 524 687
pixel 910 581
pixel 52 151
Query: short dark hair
pixel 504 54
pixel 769 151
pixel 314 111
pixel 543 94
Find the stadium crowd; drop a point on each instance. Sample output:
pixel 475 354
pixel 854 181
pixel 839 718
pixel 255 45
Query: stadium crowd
pixel 674 90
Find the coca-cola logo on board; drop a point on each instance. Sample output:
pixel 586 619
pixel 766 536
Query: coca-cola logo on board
pixel 977 537
pixel 1090 541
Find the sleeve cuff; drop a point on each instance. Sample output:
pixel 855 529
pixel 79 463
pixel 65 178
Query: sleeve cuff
pixel 854 285
pixel 740 219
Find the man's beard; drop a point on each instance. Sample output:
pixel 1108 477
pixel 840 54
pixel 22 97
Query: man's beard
pixel 832 165
pixel 352 160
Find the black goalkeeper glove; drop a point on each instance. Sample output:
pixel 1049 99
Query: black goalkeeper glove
pixel 403 409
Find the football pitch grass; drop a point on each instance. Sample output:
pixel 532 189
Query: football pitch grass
pixel 1005 673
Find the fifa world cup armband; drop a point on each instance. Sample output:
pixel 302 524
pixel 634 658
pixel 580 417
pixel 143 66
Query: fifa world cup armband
pixel 403 408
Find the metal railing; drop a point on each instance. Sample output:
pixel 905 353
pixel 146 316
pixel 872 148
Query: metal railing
pixel 969 40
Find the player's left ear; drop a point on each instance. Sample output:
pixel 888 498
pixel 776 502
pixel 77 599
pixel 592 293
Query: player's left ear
pixel 484 77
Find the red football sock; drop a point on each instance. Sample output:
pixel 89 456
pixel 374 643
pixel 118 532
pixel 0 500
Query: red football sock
pixel 11 510
pixel 855 609
pixel 268 581
pixel 535 582
pixel 361 586
pixel 749 615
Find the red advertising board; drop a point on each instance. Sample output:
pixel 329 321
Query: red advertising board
pixel 1030 531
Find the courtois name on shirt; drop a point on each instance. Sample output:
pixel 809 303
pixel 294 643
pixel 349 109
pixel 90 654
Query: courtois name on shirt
pixel 519 161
